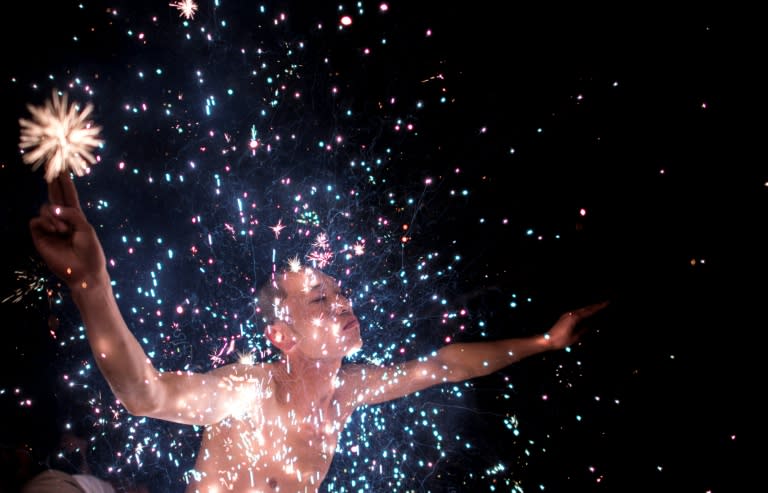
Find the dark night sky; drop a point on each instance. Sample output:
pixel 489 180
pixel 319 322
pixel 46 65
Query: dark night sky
pixel 648 121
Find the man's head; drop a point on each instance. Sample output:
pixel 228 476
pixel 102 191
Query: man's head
pixel 307 315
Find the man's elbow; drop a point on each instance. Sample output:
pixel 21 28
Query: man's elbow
pixel 142 403
pixel 136 408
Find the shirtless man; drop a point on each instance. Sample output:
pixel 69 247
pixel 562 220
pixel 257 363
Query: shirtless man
pixel 269 427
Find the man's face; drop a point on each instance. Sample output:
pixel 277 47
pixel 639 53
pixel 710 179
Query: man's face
pixel 319 317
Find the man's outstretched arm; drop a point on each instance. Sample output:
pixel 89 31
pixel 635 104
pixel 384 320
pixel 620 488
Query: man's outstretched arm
pixel 471 360
pixel 70 247
pixel 461 361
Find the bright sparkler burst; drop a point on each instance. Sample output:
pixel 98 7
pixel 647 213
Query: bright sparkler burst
pixel 59 136
pixel 186 8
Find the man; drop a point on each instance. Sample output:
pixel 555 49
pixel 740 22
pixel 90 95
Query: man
pixel 272 426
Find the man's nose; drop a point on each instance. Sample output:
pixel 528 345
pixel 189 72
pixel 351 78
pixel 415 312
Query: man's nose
pixel 342 306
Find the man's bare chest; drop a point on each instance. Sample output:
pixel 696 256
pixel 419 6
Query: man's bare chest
pixel 281 433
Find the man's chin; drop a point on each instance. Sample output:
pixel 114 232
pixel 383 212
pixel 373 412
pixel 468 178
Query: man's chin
pixel 354 349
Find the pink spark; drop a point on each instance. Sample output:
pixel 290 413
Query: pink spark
pixel 320 259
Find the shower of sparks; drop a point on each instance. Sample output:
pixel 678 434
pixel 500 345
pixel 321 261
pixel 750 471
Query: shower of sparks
pixel 31 284
pixel 60 136
pixel 187 273
pixel 186 8
pixel 36 285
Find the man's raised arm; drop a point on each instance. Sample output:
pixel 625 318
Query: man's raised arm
pixel 461 361
pixel 70 247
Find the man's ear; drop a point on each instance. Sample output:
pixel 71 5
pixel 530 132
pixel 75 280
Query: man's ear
pixel 279 334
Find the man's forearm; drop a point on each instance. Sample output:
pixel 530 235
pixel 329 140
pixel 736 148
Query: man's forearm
pixel 118 354
pixel 477 359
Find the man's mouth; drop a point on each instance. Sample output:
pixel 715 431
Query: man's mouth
pixel 349 325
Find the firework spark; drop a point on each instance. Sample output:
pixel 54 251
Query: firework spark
pixel 60 136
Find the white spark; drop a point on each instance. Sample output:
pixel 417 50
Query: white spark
pixel 246 358
pixel 60 136
pixel 294 264
pixel 277 228
pixel 358 248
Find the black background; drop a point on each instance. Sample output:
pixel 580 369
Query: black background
pixel 680 254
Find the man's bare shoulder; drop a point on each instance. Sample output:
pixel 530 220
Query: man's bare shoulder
pixel 243 387
pixel 260 375
pixel 354 377
pixel 365 370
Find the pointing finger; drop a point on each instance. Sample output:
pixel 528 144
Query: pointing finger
pixel 55 192
pixel 590 310
pixel 69 192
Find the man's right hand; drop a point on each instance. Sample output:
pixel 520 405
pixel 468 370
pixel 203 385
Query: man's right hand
pixel 66 240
